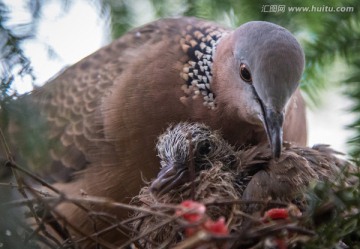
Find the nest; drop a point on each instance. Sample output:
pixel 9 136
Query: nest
pixel 160 221
pixel 155 222
pixel 209 187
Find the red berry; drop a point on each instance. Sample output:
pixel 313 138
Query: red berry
pixel 216 227
pixel 276 214
pixel 197 211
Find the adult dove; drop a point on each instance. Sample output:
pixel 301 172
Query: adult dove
pixel 101 116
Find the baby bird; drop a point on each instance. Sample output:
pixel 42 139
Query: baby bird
pixel 263 178
pixel 196 163
pixel 189 148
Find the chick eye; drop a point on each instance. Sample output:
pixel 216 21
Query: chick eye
pixel 204 148
pixel 245 73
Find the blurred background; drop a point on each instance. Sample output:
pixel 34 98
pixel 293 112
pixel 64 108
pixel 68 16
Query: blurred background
pixel 38 38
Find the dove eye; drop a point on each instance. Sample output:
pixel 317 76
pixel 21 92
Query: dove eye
pixel 245 73
pixel 204 148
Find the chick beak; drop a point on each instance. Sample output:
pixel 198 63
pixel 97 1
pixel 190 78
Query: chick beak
pixel 273 124
pixel 169 177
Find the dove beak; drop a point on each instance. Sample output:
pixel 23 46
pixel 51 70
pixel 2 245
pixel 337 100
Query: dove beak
pixel 273 122
pixel 169 177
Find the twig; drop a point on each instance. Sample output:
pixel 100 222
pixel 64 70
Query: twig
pixel 171 219
pixel 45 184
pixel 5 146
pixel 254 201
pixel 90 200
pixel 191 166
pixel 200 237
pixel 274 228
pixel 46 235
pixel 14 185
pixel 14 165
pixel 10 185
pixel 57 200
pixel 21 190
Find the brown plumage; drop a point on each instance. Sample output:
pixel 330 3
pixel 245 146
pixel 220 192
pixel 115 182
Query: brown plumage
pixel 100 117
pixel 251 174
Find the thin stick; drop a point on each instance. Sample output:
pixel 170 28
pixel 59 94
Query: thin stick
pixel 87 199
pixel 14 165
pixel 254 201
pixel 191 165
pixel 6 146
pixel 38 179
pixel 148 232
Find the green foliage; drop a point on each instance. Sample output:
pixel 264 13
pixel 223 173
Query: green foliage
pixel 353 82
pixel 343 42
pixel 12 55
pixel 120 15
pixel 334 212
pixel 13 34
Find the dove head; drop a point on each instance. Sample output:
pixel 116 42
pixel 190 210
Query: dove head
pixel 185 145
pixel 256 70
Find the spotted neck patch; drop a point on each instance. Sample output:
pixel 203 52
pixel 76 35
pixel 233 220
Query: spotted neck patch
pixel 199 44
